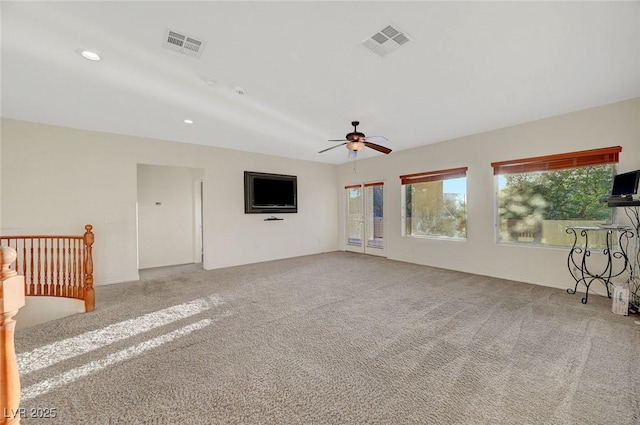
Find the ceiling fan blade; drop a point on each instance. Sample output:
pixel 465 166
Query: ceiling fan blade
pixel 333 147
pixel 376 139
pixel 377 147
pixel 337 140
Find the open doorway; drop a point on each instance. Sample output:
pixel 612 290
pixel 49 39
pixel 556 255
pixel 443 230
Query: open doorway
pixel 170 215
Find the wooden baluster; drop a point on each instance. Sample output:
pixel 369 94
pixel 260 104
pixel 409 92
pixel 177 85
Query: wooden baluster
pixel 63 262
pixel 46 269
pixel 89 293
pixel 32 281
pixel 39 267
pixel 81 272
pixel 50 269
pixel 58 291
pixel 24 264
pixel 72 272
pixel 70 250
pixel 69 268
pixel 77 268
pixel 64 268
pixel 11 299
pixel 28 266
pixel 52 286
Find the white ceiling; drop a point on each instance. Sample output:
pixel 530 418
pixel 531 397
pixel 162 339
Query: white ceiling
pixel 469 67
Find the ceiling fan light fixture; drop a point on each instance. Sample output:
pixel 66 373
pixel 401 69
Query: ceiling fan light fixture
pixel 356 140
pixel 355 146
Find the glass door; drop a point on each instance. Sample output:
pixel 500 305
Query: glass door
pixel 374 219
pixel 354 226
pixel 365 218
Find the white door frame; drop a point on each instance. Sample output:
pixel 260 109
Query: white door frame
pixel 358 219
pixel 198 228
pixel 364 247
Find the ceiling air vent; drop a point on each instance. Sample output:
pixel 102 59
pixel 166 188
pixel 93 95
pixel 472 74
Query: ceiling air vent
pixel 183 43
pixel 387 40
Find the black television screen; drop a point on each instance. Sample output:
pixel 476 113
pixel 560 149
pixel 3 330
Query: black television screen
pixel 270 193
pixel 626 183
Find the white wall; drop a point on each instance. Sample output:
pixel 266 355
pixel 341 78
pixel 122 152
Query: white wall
pixel 0 175
pixel 610 125
pixel 166 227
pixel 56 179
pixel 43 309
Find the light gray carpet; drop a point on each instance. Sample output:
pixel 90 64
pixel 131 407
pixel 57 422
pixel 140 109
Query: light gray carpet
pixel 335 338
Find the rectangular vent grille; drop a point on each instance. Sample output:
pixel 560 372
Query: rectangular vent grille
pixel 185 44
pixel 387 40
pixel 390 31
pixel 175 38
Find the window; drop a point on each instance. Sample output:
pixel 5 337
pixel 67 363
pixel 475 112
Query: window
pixel 435 203
pixel 538 198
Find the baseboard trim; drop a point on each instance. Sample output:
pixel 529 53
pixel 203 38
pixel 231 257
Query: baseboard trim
pixel 133 278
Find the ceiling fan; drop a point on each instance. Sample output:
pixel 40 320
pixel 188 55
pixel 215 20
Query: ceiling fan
pixel 356 141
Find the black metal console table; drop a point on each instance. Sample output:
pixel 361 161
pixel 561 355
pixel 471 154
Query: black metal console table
pixel 581 263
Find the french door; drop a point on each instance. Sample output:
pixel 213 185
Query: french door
pixel 364 221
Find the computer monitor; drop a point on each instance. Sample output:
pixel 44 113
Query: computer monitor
pixel 626 183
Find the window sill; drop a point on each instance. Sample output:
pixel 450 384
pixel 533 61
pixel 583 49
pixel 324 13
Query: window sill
pixel 437 238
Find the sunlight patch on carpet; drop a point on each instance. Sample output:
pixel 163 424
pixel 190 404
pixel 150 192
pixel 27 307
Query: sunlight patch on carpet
pixel 117 357
pixel 58 351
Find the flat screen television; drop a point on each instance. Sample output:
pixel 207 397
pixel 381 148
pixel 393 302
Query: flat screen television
pixel 625 183
pixel 266 193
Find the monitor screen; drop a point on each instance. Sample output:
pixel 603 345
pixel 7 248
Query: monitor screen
pixel 273 192
pixel 270 193
pixel 626 183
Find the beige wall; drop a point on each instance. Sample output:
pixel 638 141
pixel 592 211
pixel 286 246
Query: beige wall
pixel 43 309
pixel 609 125
pixel 56 179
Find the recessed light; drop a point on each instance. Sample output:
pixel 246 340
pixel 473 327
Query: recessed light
pixel 188 121
pixel 89 55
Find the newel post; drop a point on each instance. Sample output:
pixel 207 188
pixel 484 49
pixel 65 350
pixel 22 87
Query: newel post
pixel 89 293
pixel 11 299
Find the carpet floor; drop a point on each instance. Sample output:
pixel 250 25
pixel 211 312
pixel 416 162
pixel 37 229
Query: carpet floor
pixel 335 338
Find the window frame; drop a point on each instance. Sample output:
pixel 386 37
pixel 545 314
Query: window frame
pixel 546 163
pixel 560 161
pixel 428 177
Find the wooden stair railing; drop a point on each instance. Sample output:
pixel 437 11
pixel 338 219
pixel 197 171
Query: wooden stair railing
pixel 57 266
pixel 11 299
